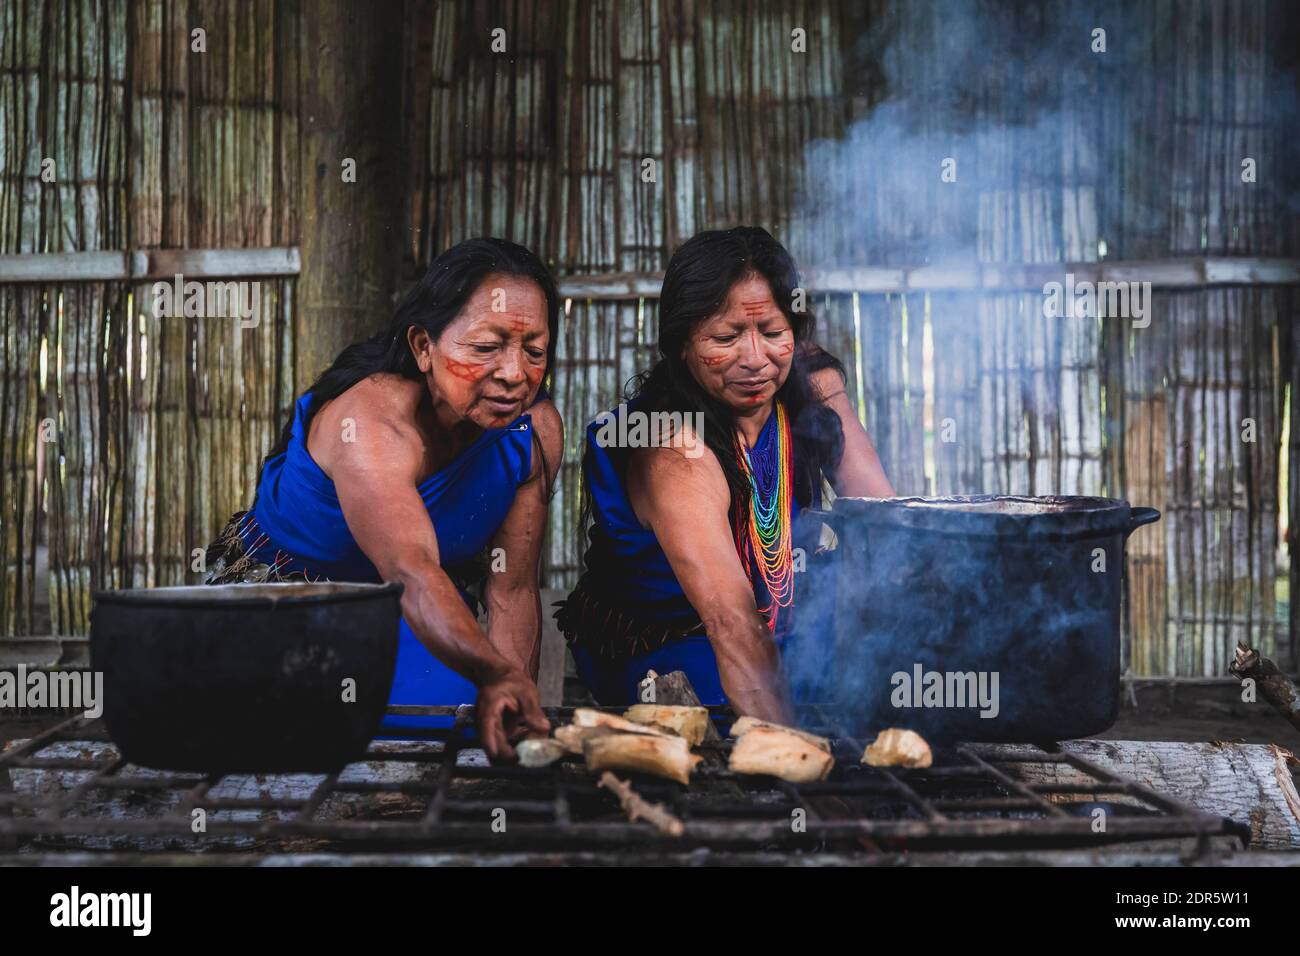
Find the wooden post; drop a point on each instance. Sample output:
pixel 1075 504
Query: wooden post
pixel 352 235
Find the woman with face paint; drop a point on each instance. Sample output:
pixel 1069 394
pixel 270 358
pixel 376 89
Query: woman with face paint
pixel 424 455
pixel 695 483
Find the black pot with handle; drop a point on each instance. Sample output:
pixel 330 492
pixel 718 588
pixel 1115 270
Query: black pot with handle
pixel 246 678
pixel 993 618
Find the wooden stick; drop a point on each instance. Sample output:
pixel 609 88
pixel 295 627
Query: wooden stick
pixel 1277 689
pixel 638 808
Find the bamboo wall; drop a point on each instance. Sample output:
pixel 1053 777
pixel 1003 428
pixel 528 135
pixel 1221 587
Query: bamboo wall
pixel 159 422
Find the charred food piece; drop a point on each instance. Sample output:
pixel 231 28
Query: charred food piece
pixel 898 748
pixel 539 751
pixel 586 717
pixel 664 756
pixel 572 737
pixel 746 724
pixel 688 722
pixel 780 752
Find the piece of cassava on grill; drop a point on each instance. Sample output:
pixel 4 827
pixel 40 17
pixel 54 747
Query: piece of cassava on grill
pixel 745 724
pixel 688 722
pixel 665 756
pixel 572 737
pixel 587 717
pixel 780 752
pixel 539 751
pixel 898 748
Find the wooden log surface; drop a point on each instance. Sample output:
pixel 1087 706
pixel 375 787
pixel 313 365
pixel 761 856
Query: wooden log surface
pixel 1249 783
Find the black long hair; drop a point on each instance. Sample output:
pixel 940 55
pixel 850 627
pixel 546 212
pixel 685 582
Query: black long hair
pixel 432 304
pixel 698 279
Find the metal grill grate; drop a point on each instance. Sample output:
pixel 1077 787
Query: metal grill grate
pixel 435 789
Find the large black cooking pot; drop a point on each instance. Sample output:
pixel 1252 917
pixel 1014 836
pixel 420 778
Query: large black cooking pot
pixel 245 678
pixel 1024 591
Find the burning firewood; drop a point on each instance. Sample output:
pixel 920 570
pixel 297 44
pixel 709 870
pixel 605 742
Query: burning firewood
pixel 898 748
pixel 746 724
pixel 688 722
pixel 539 751
pixel 669 757
pixel 780 752
pixel 638 808
pixel 586 717
pixel 572 737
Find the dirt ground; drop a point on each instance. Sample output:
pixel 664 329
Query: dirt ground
pixel 1199 712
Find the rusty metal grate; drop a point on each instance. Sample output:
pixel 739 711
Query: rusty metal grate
pixel 433 789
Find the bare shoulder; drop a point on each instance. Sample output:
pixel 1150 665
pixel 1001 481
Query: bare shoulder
pixel 383 396
pixel 828 382
pixel 549 428
pixel 672 476
pixel 377 413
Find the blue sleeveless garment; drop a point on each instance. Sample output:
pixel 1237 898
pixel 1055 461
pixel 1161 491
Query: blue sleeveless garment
pixel 297 521
pixel 626 561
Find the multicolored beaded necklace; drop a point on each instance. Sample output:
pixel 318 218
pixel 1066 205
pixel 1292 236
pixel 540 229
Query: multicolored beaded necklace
pixel 767 524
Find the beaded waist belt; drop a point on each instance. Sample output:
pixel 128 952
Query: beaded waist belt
pixel 244 554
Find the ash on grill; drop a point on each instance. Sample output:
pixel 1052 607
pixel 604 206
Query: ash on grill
pixel 435 793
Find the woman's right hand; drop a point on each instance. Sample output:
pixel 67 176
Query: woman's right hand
pixel 508 708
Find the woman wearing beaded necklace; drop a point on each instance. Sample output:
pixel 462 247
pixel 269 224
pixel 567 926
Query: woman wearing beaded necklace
pixel 691 558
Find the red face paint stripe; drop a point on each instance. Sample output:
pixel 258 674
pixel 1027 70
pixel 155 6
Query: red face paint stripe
pixel 466 371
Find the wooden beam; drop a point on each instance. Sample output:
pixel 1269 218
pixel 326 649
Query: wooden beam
pixel 869 280
pixel 1189 273
pixel 144 264
pixel 613 285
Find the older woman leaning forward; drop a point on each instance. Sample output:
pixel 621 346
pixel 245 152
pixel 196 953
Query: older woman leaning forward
pixel 416 455
pixel 691 558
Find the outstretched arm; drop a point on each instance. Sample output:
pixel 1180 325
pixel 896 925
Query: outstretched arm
pixel 375 478
pixel 685 501
pixel 513 601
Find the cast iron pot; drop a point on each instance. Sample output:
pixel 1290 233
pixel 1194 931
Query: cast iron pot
pixel 245 678
pixel 1027 589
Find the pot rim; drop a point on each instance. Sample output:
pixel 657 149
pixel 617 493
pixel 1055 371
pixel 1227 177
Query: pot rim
pixel 1054 516
pixel 258 594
